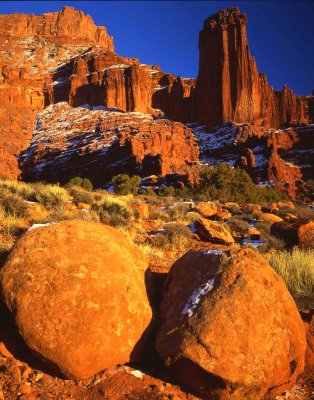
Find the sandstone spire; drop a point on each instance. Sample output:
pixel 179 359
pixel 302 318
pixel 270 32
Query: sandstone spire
pixel 229 86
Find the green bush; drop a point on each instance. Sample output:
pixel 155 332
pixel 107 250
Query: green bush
pixel 80 182
pixel 296 268
pixel 166 191
pixel 230 184
pixel 125 184
pixel 147 192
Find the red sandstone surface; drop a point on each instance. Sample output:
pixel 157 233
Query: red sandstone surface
pixel 101 142
pixel 65 57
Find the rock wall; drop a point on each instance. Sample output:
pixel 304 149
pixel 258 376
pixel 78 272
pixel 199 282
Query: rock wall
pixel 99 143
pixel 229 86
pixel 65 57
pixel 65 27
pixel 32 47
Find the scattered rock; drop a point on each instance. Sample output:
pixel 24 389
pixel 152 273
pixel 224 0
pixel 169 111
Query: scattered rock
pixel 143 210
pixel 206 208
pixel 83 206
pixel 269 217
pixel 214 232
pixel 94 280
pixel 229 326
pixel 253 234
pixel 295 233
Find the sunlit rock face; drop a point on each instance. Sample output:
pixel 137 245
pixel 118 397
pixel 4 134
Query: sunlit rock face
pixel 98 143
pixel 229 86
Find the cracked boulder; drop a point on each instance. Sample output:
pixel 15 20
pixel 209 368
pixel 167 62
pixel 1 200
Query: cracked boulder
pixel 76 291
pixel 229 328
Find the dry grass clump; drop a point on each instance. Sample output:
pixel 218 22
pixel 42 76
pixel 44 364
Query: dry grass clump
pixel 178 211
pixel 81 195
pixel 22 189
pixel 304 213
pixel 175 237
pixel 296 268
pixel 238 226
pixel 51 196
pixel 15 206
pixel 113 211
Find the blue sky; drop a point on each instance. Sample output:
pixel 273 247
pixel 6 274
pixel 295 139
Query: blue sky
pixel 166 33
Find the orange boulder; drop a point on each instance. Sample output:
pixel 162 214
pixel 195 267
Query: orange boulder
pixel 76 290
pixel 214 232
pixel 229 327
pixel 269 217
pixel 206 208
pixel 295 232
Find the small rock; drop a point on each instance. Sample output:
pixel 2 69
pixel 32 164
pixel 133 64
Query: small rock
pixel 25 389
pixel 4 351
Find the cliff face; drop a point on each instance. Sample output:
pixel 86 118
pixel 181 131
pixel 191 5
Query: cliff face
pixel 65 27
pixel 229 86
pixel 31 48
pixel 100 143
pixel 64 56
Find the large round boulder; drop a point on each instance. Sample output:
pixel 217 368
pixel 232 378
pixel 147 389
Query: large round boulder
pixel 229 327
pixel 76 290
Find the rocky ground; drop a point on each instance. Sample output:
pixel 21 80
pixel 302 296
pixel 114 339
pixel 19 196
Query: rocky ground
pixel 212 229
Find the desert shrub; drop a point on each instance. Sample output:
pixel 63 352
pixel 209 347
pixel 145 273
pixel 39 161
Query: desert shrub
pixel 176 237
pixel 304 213
pixel 6 243
pixel 51 196
pixel 158 215
pixel 80 195
pixel 14 205
pixel 151 252
pixel 238 226
pixel 147 192
pixel 113 213
pixel 24 190
pixel 125 184
pixel 272 242
pixel 178 211
pixel 296 268
pixel 184 193
pixel 166 191
pixel 80 182
pixel 230 184
pixel 60 214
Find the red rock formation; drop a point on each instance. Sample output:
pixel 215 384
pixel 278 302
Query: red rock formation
pixel 31 48
pixel 65 27
pixel 98 144
pixel 284 155
pixel 64 56
pixel 229 86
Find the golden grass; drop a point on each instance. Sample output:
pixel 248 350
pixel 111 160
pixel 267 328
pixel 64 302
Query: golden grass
pixel 296 268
